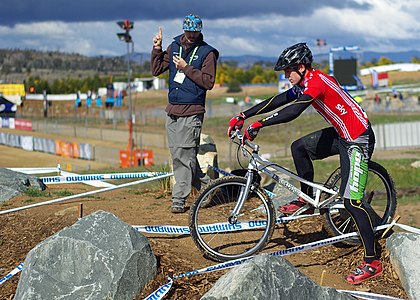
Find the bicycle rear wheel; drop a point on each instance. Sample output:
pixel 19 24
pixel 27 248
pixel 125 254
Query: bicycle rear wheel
pixel 221 240
pixel 379 193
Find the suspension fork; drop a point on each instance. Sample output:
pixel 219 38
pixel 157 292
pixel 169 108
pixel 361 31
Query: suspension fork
pixel 243 195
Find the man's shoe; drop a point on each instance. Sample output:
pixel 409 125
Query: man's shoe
pixel 295 205
pixel 178 209
pixel 364 272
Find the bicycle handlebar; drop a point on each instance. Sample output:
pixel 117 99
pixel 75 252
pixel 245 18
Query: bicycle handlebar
pixel 238 134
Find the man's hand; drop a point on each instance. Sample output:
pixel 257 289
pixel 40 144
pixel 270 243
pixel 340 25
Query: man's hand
pixel 157 40
pixel 251 132
pixel 179 62
pixel 236 123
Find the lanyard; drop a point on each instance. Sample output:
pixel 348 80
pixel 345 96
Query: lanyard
pixel 192 55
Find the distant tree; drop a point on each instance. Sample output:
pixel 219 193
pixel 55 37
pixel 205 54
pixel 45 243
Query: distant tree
pixel 257 79
pixel 384 61
pixel 415 60
pixel 221 74
pixel 234 86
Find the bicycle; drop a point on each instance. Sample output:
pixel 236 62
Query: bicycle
pixel 233 217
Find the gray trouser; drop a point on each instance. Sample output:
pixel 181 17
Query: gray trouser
pixel 183 135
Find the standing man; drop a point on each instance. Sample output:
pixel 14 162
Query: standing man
pixel 192 71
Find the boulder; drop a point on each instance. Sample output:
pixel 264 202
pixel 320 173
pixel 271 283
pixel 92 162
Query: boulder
pixel 404 253
pixel 269 277
pixel 207 155
pixel 99 257
pixel 15 183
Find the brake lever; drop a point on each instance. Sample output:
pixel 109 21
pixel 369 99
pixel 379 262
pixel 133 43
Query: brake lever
pixel 250 144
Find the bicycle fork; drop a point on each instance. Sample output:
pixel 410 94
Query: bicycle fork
pixel 243 195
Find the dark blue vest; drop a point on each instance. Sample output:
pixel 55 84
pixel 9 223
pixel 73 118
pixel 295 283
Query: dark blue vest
pixel 188 92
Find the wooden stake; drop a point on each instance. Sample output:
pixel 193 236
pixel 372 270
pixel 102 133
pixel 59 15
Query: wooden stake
pixel 80 210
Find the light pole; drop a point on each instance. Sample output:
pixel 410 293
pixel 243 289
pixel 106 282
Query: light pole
pixel 127 25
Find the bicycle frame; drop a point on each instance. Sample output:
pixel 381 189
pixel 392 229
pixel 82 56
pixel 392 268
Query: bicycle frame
pixel 259 164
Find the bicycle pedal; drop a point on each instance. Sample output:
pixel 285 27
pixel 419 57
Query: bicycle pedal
pixel 307 209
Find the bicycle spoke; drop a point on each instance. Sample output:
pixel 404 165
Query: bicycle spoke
pixel 379 195
pixel 215 236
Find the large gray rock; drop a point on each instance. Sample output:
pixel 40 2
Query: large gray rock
pixel 404 253
pixel 99 257
pixel 207 155
pixel 269 277
pixel 14 183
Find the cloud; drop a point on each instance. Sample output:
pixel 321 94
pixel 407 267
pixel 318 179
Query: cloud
pixel 235 27
pixel 28 11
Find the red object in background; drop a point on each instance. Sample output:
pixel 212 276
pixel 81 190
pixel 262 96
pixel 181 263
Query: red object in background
pixel 23 124
pixel 140 157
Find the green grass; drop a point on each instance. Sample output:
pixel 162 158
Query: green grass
pixel 64 193
pixel 401 171
pixel 305 124
pixel 376 118
pixel 32 192
pixel 412 199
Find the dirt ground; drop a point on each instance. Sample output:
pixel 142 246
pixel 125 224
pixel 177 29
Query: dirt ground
pixel 150 205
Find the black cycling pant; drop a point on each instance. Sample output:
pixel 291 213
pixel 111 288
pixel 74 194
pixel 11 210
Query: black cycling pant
pixel 360 215
pixel 317 145
pixel 324 143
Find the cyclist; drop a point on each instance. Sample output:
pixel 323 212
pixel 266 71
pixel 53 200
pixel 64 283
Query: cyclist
pixel 350 136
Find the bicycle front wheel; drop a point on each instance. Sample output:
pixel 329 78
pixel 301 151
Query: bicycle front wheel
pixel 219 237
pixel 379 194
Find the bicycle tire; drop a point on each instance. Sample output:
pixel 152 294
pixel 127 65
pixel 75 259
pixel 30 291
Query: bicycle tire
pixel 213 206
pixel 379 193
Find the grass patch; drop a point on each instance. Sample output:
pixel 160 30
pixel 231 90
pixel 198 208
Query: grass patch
pixel 64 193
pixel 32 192
pixel 412 199
pixel 137 192
pixel 401 171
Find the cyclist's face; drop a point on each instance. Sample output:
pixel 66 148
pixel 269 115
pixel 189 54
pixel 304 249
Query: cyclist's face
pixel 294 76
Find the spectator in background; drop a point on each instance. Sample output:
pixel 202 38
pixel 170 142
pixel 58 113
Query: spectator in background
pixel 89 98
pixel 192 71
pixel 98 101
pixel 45 104
pixel 377 103
pixel 78 102
pixel 387 103
pixel 394 93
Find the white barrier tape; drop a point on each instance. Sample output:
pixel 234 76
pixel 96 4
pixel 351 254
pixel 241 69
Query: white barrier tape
pixel 86 193
pixel 408 228
pixel 14 272
pixel 95 183
pixel 292 250
pixel 161 291
pixel 35 170
pixel 368 296
pixel 163 229
pixel 95 177
pixel 214 227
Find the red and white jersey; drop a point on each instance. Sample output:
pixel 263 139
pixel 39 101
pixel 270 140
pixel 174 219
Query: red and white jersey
pixel 335 104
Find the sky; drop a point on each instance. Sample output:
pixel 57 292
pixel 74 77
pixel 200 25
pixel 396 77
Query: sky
pixel 234 27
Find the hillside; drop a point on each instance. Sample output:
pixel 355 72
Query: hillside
pixel 17 65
